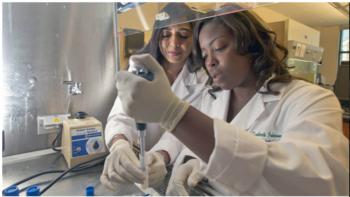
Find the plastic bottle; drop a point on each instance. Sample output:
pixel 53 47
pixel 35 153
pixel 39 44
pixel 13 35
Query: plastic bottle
pixel 33 190
pixel 90 191
pixel 11 191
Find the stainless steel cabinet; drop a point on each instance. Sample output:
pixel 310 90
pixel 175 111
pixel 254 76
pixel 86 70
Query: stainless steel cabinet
pixel 45 44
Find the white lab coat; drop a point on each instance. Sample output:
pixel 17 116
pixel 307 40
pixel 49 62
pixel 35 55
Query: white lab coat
pixel 187 86
pixel 303 152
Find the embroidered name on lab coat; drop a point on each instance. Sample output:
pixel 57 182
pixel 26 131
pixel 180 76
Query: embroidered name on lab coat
pixel 268 136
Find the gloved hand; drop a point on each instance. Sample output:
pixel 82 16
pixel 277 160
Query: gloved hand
pixel 184 176
pixel 150 101
pixel 121 167
pixel 156 169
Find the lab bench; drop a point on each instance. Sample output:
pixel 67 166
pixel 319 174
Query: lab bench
pixel 19 167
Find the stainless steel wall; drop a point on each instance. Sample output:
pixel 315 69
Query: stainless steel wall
pixel 45 44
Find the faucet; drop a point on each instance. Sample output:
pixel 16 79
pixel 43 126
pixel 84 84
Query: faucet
pixel 74 88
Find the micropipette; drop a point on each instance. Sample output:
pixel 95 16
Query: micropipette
pixel 141 127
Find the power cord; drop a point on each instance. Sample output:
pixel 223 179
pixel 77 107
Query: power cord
pixel 76 168
pixel 36 175
pixel 69 170
pixel 70 175
pixel 54 143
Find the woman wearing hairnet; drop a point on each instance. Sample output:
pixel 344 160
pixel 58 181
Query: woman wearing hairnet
pixel 267 133
pixel 171 46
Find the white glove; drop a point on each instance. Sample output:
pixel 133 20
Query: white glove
pixel 156 169
pixel 150 101
pixel 184 176
pixel 121 167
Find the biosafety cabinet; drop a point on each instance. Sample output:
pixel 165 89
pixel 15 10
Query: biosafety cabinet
pixel 59 60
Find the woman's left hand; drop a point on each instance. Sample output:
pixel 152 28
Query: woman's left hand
pixel 184 176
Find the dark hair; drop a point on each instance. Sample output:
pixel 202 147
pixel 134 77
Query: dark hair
pixel 254 39
pixel 177 13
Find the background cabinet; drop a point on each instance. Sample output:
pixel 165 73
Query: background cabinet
pixel 289 29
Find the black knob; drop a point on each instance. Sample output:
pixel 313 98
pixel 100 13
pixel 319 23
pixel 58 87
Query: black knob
pixel 80 115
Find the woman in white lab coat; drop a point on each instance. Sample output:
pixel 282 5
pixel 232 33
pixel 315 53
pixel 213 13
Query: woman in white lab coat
pixel 170 45
pixel 267 133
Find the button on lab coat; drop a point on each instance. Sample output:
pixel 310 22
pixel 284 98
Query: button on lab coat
pixel 187 86
pixel 288 144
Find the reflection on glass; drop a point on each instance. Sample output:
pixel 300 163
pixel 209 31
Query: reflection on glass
pixel 136 21
pixel 143 15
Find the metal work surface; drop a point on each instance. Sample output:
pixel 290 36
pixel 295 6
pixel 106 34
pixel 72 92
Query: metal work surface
pixel 18 167
pixel 73 184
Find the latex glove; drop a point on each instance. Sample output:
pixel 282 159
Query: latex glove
pixel 121 167
pixel 156 169
pixel 184 176
pixel 150 101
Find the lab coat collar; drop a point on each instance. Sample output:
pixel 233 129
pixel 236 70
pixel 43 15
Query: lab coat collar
pixel 250 112
pixel 186 82
pixel 216 107
pixel 256 106
pixel 179 86
pixel 276 86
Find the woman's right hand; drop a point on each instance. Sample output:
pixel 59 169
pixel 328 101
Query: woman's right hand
pixel 150 101
pixel 121 167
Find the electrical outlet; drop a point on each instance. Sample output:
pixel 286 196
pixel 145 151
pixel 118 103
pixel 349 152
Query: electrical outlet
pixel 50 123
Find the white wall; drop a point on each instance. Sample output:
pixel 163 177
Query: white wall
pixel 269 16
pixel 295 30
